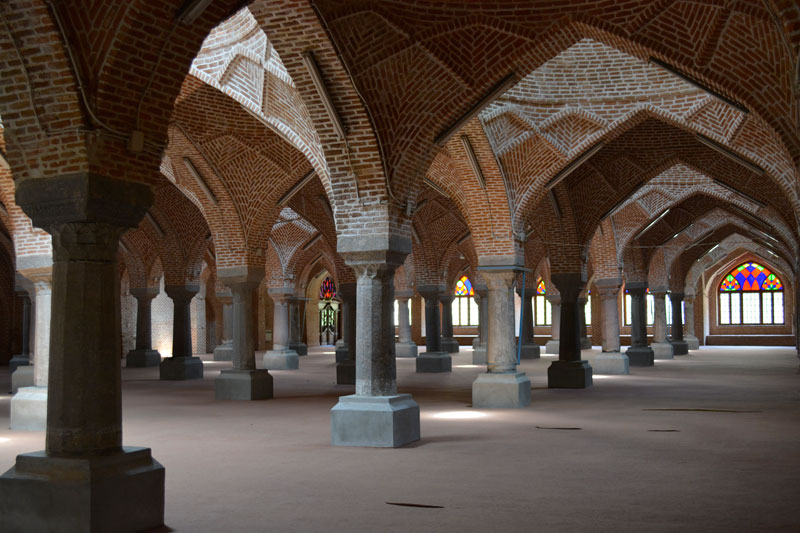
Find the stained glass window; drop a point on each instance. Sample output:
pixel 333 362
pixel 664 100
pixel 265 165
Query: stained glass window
pixel 327 290
pixel 464 307
pixel 464 287
pixel 540 288
pixel 542 309
pixel 750 294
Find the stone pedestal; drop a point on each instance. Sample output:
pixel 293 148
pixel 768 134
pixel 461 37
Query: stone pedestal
pixel 405 347
pixel 84 480
pixel 502 386
pixel 346 354
pixel 378 421
pixel 29 409
pixel 679 344
pixel 435 359
pixel 501 390
pixel 119 491
pixel 569 371
pixel 479 356
pixel 281 357
pixel 224 351
pixel 662 350
pixel 243 381
pixel 610 361
pixel 143 354
pixel 376 415
pixel 181 365
pixel 528 350
pixel 22 377
pixel 692 342
pixel 639 354
pixel 296 322
pixel 346 372
pixel 553 346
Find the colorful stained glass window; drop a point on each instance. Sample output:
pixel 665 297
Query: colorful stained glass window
pixel 464 287
pixel 540 288
pixel 750 277
pixel 327 290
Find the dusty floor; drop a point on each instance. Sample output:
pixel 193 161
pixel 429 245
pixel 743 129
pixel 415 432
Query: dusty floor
pixel 635 464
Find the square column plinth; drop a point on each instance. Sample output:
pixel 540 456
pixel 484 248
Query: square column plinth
pixel 640 356
pixel 692 342
pixel 346 373
pixel 511 390
pixel 22 377
pixel 680 347
pixel 530 351
pixel 378 421
pixel 181 368
pixel 552 347
pixel 479 355
pixel 281 360
pixel 224 352
pixel 405 349
pixel 300 348
pixel 142 358
pixel 29 409
pixel 662 350
pixel 122 491
pixel 449 345
pixel 610 363
pixel 434 362
pixel 232 384
pixel 569 375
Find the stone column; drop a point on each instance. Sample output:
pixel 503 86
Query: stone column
pixel 224 352
pixel 569 371
pixel 552 346
pixel 610 361
pixel 434 359
pixel 181 365
pixel 501 386
pixel 679 344
pixel 376 415
pixel 662 349
pixel 692 342
pixel 243 381
pixel 281 357
pixel 639 353
pixel 23 359
pixel 346 351
pixel 586 344
pixel 405 347
pixel 479 356
pixel 529 348
pixel 296 320
pixel 143 355
pixel 84 480
pixel 29 403
pixel 448 343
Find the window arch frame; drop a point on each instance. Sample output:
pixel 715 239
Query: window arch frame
pixel 464 309
pixel 736 305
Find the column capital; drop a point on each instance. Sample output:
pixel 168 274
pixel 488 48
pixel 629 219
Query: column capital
pixel 499 279
pixel 41 278
pixel 244 278
pixel 569 284
pixel 481 289
pixel 608 287
pixel 181 293
pixel 373 253
pixel 636 287
pixel 430 291
pixel 347 291
pixel 281 295
pixel 446 296
pixel 144 293
pixel 659 292
pixel 529 291
pixel 406 294
pixel 676 296
pixel 553 298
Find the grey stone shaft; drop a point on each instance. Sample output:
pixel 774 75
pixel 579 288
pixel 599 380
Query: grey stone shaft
pixel 244 350
pixel 375 362
pixel 660 320
pixel 181 296
pixel 677 323
pixel 433 341
pixel 42 334
pixel 555 324
pixel 527 316
pixel 144 299
pixel 569 286
pixel 582 318
pixel 227 321
pixel 280 323
pixel 294 321
pixel 611 341
pixel 688 315
pixel 447 315
pixel 483 316
pixel 347 292
pixel 404 324
pixel 638 317
pixel 26 325
pixel 501 351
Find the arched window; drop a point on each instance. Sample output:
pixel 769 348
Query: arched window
pixel 543 311
pixel 751 294
pixel 650 305
pixel 465 310
pixel 327 291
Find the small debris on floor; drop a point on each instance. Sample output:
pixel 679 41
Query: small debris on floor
pixel 664 430
pixel 568 429
pixel 703 410
pixel 416 505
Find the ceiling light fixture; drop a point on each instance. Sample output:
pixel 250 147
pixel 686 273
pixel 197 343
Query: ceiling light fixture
pixel 296 188
pixel 191 10
pixel 476 168
pixel 689 79
pixel 653 223
pixel 198 178
pixel 570 168
pixel 740 193
pixel 730 154
pixel 316 77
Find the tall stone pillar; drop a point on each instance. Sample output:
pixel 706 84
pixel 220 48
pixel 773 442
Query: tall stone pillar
pixel 346 351
pixel 479 356
pixel 610 361
pixel 501 386
pixel 679 344
pixel 143 355
pixel 296 321
pixel 529 349
pixel 23 359
pixel 29 403
pixel 586 344
pixel 224 352
pixel 553 345
pixel 662 349
pixel 281 357
pixel 639 353
pixel 376 415
pixel 692 342
pixel 243 381
pixel 84 480
pixel 405 347
pixel 181 365
pixel 434 359
pixel 569 371
pixel 448 342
